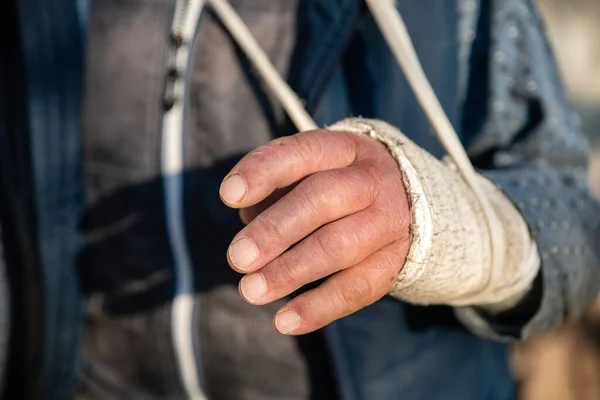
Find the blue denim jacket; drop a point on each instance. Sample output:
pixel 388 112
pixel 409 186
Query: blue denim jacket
pixel 489 63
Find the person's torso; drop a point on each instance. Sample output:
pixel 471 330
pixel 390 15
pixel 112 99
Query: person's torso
pixel 335 58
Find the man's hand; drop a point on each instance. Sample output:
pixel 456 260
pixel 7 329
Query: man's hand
pixel 318 203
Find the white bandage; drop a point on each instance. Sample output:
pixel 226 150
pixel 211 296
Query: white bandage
pixel 449 261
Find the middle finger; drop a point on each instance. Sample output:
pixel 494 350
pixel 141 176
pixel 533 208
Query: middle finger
pixel 321 198
pixel 334 247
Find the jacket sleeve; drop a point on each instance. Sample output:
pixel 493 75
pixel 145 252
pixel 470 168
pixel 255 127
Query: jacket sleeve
pixel 527 140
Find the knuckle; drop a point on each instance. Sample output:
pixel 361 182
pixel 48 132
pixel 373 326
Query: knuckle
pixel 374 170
pixel 346 144
pixel 333 245
pixel 355 176
pixel 306 146
pixel 320 192
pixel 369 231
pixel 310 193
pixel 269 227
pixel 283 271
pixel 359 183
pixel 343 187
pixel 357 293
pixel 310 145
pixel 397 218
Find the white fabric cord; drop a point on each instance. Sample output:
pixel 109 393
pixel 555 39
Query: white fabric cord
pixel 244 38
pixel 185 21
pixel 490 279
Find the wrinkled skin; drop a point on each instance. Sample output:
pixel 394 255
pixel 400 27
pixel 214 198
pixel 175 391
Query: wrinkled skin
pixel 318 204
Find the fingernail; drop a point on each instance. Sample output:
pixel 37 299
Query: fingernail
pixel 243 253
pixel 253 286
pixel 287 321
pixel 233 189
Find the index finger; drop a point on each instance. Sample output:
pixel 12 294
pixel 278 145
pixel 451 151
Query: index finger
pixel 285 161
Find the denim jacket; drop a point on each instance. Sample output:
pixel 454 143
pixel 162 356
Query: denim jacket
pixel 489 63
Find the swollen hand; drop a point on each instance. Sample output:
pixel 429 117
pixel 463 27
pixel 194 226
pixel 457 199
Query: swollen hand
pixel 318 204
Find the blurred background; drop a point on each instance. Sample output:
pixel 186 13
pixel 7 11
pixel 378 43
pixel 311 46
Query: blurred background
pixel 574 30
pixel 565 365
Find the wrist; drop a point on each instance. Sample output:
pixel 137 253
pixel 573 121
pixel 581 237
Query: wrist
pixel 449 260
